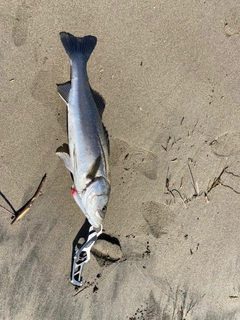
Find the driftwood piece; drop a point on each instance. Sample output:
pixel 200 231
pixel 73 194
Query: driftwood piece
pixel 24 209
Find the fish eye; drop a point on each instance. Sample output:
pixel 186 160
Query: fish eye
pixel 104 209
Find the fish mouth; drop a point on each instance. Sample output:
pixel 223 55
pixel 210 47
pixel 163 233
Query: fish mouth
pixel 94 223
pixel 100 214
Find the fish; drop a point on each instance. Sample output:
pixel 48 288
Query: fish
pixel 88 158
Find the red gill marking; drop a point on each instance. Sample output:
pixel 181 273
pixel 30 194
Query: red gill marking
pixel 73 191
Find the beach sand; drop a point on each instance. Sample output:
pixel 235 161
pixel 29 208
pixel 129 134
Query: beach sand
pixel 169 72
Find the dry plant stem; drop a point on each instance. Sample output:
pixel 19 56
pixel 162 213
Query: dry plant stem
pixel 217 181
pixel 82 289
pixel 173 190
pixel 8 202
pixel 7 210
pixel 20 213
pixel 227 186
pixel 233 174
pixel 193 181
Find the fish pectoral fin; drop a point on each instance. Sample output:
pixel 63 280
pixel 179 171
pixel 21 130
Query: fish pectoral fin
pixel 64 90
pixel 66 159
pixel 106 137
pixel 91 174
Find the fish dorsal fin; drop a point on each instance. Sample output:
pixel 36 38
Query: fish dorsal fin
pixel 100 104
pixel 106 137
pixel 64 90
pixel 99 101
pixel 94 168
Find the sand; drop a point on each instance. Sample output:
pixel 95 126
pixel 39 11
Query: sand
pixel 169 72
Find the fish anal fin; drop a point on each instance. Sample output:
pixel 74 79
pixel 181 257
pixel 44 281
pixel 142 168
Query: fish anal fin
pixel 94 168
pixel 64 90
pixel 66 159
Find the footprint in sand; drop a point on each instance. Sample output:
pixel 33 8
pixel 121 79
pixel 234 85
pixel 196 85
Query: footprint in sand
pixel 232 22
pixel 20 28
pixel 41 90
pixel 158 217
pixel 226 145
pixel 138 159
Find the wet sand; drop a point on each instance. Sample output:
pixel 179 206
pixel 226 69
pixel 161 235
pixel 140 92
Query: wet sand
pixel 169 73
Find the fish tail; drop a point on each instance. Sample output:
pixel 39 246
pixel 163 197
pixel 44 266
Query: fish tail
pixel 76 46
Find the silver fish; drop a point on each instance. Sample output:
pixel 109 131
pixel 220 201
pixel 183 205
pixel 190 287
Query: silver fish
pixel 88 140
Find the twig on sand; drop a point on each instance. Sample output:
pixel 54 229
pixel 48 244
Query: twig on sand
pixel 173 190
pixel 217 181
pixel 82 289
pixel 24 209
pixel 194 184
pixel 6 208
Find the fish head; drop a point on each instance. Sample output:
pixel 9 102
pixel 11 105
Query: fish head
pixel 95 200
